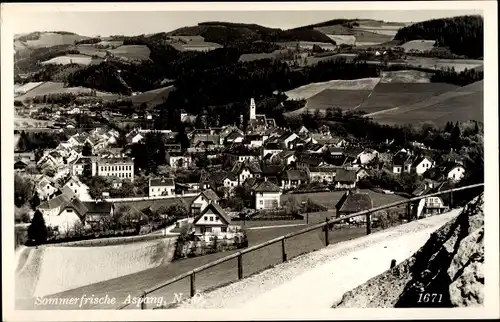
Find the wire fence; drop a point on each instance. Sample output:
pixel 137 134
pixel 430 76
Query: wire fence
pixel 251 260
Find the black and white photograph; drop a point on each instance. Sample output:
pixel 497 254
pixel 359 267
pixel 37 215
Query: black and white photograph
pixel 257 159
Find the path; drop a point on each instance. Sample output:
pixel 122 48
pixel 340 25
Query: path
pixel 319 279
pixel 275 226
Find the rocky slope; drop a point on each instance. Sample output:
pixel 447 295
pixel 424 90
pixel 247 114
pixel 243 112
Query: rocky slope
pixel 449 268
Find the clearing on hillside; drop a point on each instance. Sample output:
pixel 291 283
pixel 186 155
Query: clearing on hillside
pixel 437 63
pixel 22 89
pixel 49 39
pixel 91 50
pixel 132 52
pixel 58 88
pixel 462 104
pixel 421 45
pixel 343 39
pixel 69 59
pixel 337 98
pixel 405 76
pixel 362 36
pixel 153 97
pixel 257 56
pixel 110 43
pixel 309 90
pixel 390 95
pixel 384 30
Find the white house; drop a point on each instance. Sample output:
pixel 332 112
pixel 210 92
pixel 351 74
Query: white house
pixel 212 220
pixel 202 200
pixel 366 156
pixel 287 156
pixel 62 213
pixel 431 206
pixel 322 174
pixel 455 172
pixel 420 165
pixel 267 196
pixel 80 189
pixel 161 187
pixel 179 161
pixel 45 188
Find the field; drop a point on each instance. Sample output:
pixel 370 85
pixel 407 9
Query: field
pixel 26 87
pixel 391 95
pixel 153 97
pixel 405 76
pixel 436 63
pixel 48 39
pixel 314 60
pixel 343 99
pixel 310 90
pixel 343 39
pixel 330 199
pixel 132 52
pixel 462 104
pixel 154 204
pixel 69 59
pixel 256 56
pixel 110 43
pixel 32 123
pixel 422 45
pixel 91 50
pixel 383 30
pixel 362 36
pixel 57 88
pixel 64 268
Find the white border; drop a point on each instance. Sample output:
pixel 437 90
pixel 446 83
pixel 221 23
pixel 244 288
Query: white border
pixel 491 307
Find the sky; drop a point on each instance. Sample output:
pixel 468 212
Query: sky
pixel 92 23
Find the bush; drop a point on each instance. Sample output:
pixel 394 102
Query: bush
pixel 37 231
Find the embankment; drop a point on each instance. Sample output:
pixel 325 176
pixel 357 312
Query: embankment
pixel 53 269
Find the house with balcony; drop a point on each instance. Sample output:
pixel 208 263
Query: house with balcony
pixel 293 178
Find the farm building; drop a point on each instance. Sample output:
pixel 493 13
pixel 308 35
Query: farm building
pixel 212 220
pixel 352 202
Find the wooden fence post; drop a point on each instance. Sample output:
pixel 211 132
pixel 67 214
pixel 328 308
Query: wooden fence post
pixel 327 242
pixel 240 266
pixel 393 263
pixel 143 301
pixel 192 289
pixel 408 211
pixel 283 250
pixel 451 199
pixel 368 224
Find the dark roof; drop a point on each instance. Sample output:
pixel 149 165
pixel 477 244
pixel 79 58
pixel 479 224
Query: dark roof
pixel 352 202
pixel 56 202
pixel 297 175
pixel 218 177
pixel 344 175
pixel 401 158
pixel 259 121
pixel 253 167
pixel 272 170
pixel 160 182
pixel 210 195
pixel 216 209
pixel 267 186
pixel 101 207
pixel 309 160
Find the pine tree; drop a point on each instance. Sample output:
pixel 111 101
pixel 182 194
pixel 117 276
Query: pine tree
pixel 35 201
pixel 87 150
pixel 37 231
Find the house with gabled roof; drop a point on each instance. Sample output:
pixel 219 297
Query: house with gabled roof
pixel 267 195
pixel 45 188
pixel 245 170
pixel 212 220
pixel 62 213
pixel 325 174
pixel 77 187
pixel 420 165
pixel 401 162
pixel 345 179
pixel 352 202
pixel 161 187
pixel 294 178
pixel 203 199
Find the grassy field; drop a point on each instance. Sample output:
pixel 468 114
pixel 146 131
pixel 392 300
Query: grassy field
pixel 462 104
pixel 311 61
pixel 361 35
pixel 57 88
pixel 405 76
pixel 343 39
pixel 154 204
pixel 330 199
pixel 391 95
pixel 32 123
pixel 132 52
pixel 49 39
pixel 257 56
pixel 310 90
pixel 27 87
pixel 69 59
pixel 91 50
pixel 437 63
pixel 422 45
pixel 153 97
pixel 343 99
pixel 110 43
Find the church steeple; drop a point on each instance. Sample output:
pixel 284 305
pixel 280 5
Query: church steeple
pixel 252 109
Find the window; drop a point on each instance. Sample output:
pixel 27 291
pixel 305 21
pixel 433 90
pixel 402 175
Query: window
pixel 205 218
pixel 223 229
pixel 69 210
pixel 208 229
pixel 211 218
pixel 71 184
pixel 261 202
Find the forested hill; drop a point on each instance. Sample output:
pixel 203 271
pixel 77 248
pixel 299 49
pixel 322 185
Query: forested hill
pixel 463 35
pixel 226 33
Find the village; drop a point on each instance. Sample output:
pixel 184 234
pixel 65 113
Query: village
pixel 225 173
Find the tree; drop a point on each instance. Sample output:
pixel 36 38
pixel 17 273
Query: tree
pixel 23 142
pixel 23 189
pixel 35 201
pixel 87 150
pixel 97 185
pixel 37 231
pixel 202 161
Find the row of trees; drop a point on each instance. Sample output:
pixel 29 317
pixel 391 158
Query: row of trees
pixel 449 75
pixel 39 141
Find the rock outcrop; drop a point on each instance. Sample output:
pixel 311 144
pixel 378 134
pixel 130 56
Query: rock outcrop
pixel 446 272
